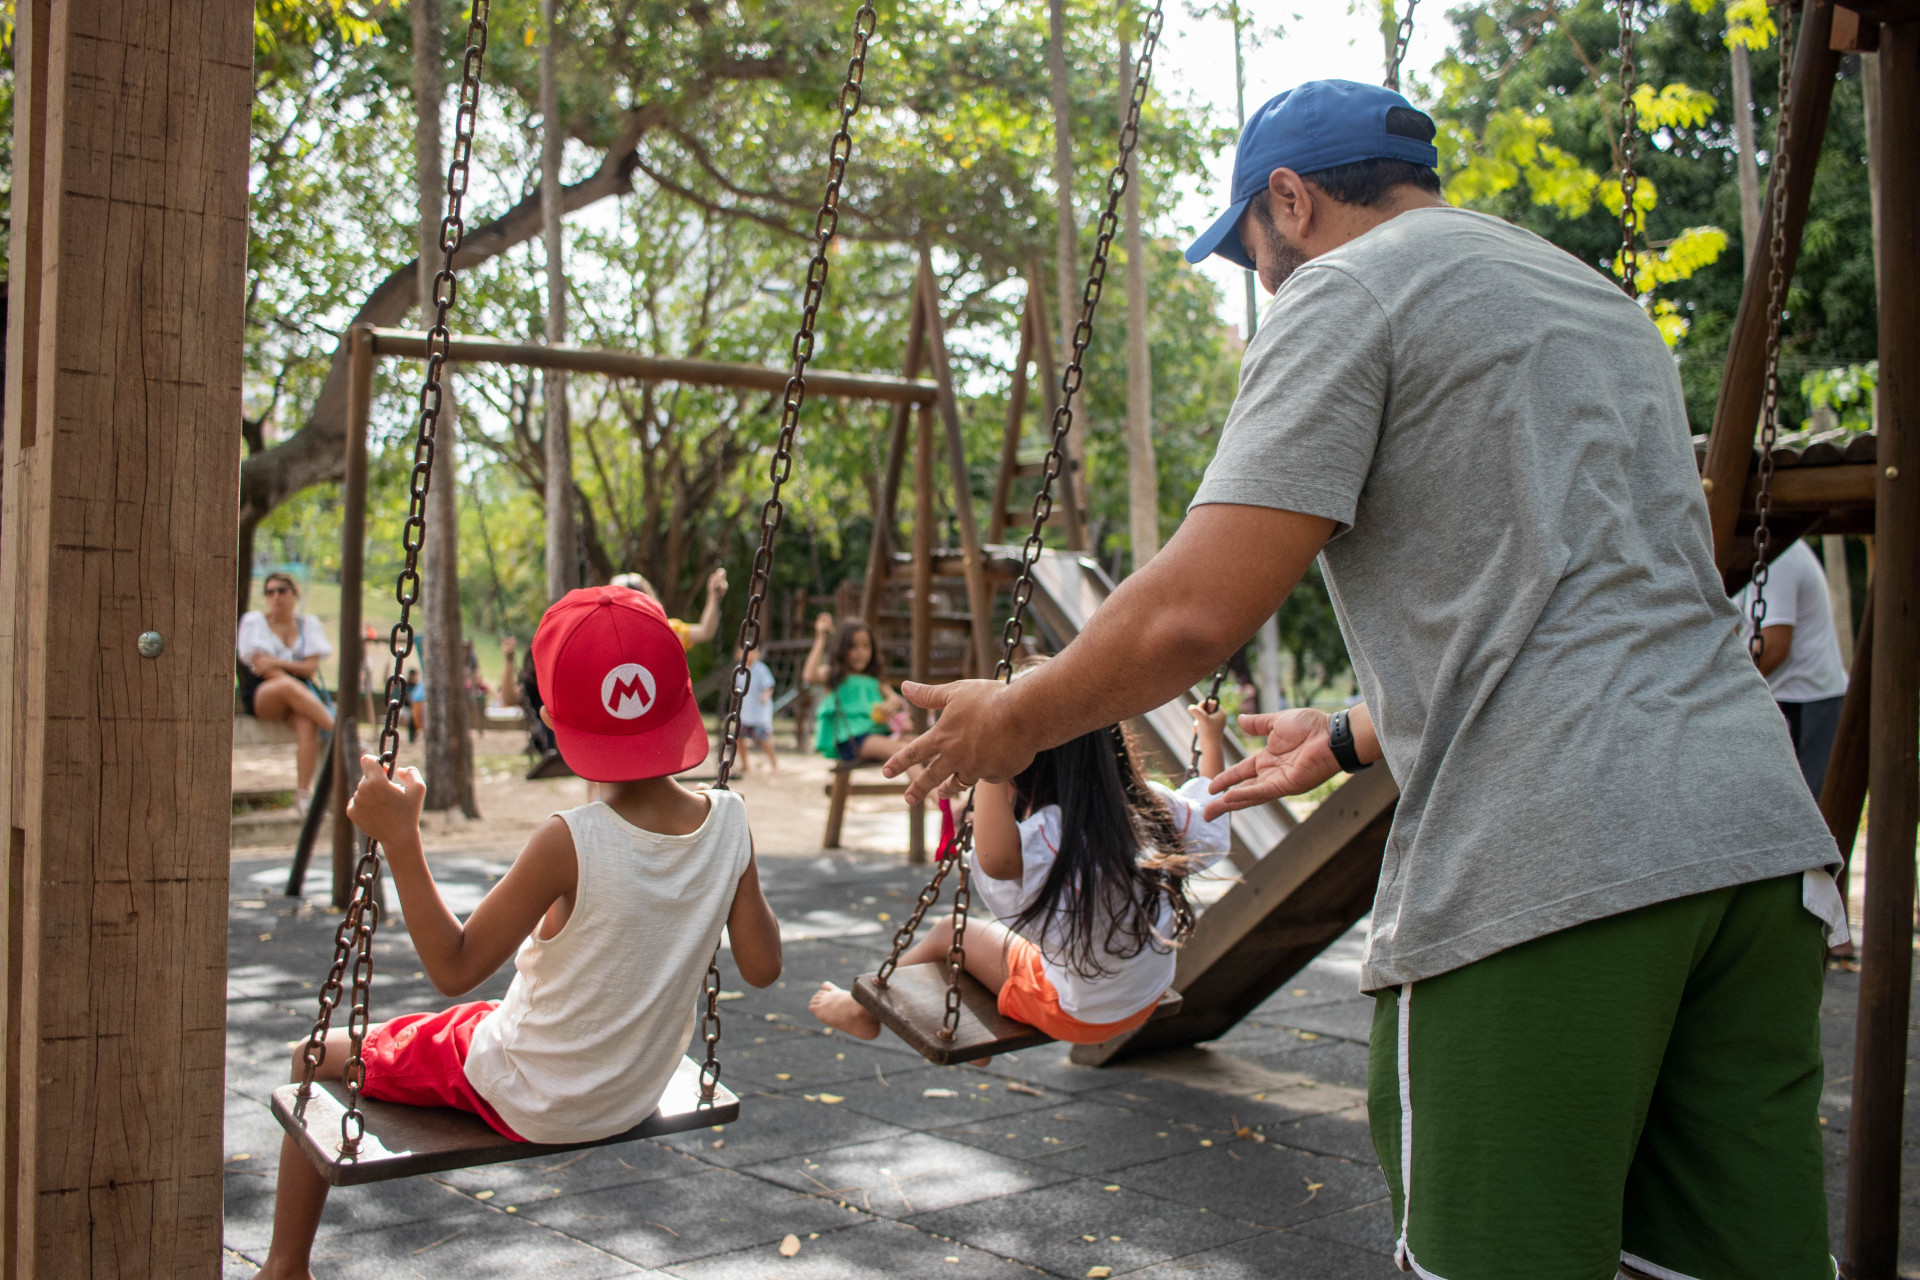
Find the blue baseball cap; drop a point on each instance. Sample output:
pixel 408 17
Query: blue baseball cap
pixel 1319 125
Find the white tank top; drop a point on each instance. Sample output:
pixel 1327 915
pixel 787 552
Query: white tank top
pixel 599 1015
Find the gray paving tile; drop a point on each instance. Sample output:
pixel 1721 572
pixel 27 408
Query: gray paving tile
pixel 1049 1065
pixel 903 1097
pixel 350 1210
pixel 1169 1100
pixel 522 1181
pixel 1333 1061
pixel 1350 1019
pixel 671 1220
pixel 1275 1255
pixel 868 1251
pixel 809 1058
pixel 1081 1136
pixel 908 1175
pixel 1369 1227
pixel 1313 985
pixel 1050 1228
pixel 468 1247
pixel 773 1126
pixel 1259 1182
pixel 1337 1133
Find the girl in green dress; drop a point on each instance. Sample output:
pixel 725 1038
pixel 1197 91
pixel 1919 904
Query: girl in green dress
pixel 856 715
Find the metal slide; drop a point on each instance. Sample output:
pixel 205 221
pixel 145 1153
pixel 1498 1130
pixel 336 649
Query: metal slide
pixel 1301 884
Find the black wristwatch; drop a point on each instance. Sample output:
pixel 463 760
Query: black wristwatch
pixel 1340 740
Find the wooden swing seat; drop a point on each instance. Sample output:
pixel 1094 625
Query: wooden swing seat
pixel 402 1141
pixel 913 1005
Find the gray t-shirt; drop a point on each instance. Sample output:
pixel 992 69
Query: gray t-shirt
pixel 1524 578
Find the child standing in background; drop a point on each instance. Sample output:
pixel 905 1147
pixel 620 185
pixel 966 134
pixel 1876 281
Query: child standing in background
pixel 756 712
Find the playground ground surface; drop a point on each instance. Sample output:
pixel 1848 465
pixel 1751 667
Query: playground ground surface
pixel 1248 1157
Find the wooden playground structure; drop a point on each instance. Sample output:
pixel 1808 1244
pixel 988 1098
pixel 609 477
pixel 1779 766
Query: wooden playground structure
pixel 117 565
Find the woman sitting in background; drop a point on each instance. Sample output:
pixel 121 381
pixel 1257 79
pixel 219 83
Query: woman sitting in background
pixel 280 650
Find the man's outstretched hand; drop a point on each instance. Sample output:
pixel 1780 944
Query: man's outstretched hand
pixel 976 738
pixel 1296 758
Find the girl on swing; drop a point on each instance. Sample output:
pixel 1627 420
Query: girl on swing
pixel 1083 862
pixel 610 914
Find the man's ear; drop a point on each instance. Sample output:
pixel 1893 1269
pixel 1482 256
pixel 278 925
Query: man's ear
pixel 1290 203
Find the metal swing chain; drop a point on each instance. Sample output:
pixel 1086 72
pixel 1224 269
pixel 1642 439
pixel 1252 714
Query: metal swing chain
pixel 1776 303
pixel 1629 180
pixel 825 223
pixel 1210 704
pixel 1015 629
pixel 356 931
pixel 1401 37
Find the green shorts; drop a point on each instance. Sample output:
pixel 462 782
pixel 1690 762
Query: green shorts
pixel 1639 1090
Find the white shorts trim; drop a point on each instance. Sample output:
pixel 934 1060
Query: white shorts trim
pixel 1655 1270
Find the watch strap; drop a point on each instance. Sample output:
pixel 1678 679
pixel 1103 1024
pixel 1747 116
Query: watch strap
pixel 1340 741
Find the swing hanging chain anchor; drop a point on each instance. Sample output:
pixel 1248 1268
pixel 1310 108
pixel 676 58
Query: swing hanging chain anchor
pixel 825 223
pixel 1776 305
pixel 1209 705
pixel 354 937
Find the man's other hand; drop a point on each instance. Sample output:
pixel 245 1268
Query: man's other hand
pixel 1296 758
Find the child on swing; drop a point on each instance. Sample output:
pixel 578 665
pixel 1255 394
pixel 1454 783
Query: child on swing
pixel 1083 862
pixel 611 913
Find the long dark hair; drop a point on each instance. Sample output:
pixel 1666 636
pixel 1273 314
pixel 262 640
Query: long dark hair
pixel 837 669
pixel 1102 894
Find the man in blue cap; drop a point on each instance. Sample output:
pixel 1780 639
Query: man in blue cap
pixel 1603 883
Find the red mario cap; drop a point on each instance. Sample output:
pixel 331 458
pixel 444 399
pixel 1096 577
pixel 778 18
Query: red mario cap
pixel 614 679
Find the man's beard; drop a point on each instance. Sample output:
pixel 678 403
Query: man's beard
pixel 1284 257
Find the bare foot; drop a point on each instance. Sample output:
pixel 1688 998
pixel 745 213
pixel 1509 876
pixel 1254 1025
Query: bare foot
pixel 836 1007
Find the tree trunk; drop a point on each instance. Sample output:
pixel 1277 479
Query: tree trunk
pixel 1066 246
pixel 562 552
pixel 449 752
pixel 1748 162
pixel 1143 476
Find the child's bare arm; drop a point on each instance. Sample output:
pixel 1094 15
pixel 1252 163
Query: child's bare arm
pixel 1212 730
pixel 459 957
pixel 753 931
pixel 996 833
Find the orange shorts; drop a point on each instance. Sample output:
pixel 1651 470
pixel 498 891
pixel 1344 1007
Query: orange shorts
pixel 1030 997
pixel 420 1059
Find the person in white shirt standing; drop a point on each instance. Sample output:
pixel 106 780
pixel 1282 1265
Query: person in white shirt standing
pixel 1800 655
pixel 756 711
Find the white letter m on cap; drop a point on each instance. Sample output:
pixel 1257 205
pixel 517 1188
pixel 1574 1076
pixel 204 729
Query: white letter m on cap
pixel 627 692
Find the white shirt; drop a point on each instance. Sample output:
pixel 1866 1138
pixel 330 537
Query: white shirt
pixel 757 709
pixel 256 636
pixel 1796 597
pixel 1132 983
pixel 599 1014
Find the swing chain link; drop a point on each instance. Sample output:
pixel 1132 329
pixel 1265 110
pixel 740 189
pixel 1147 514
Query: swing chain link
pixel 1776 304
pixel 710 1031
pixel 825 223
pixel 1070 379
pixel 1629 264
pixel 356 931
pixel 903 936
pixel 1401 37
pixel 1209 705
pixel 957 952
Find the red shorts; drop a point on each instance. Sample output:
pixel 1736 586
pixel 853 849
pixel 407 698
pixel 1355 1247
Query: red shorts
pixel 420 1059
pixel 1030 997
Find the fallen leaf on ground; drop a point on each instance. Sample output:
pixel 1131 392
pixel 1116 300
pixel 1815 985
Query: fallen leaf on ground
pixel 1027 1089
pixel 939 1093
pixel 1099 1273
pixel 831 1098
pixel 783 1075
pixel 733 995
pixel 483 1195
pixel 790 1246
pixel 1111 1186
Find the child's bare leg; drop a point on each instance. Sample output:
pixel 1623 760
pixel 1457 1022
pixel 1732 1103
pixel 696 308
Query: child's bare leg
pixel 300 1196
pixel 986 960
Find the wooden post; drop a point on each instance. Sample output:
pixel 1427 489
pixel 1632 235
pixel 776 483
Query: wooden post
pixel 1845 789
pixel 1010 442
pixel 1730 447
pixel 922 648
pixel 120 515
pixel 1071 480
pixel 880 549
pixel 979 594
pixel 1880 1048
pixel 353 552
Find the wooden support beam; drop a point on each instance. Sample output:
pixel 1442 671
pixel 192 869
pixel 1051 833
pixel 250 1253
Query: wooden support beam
pixel 1068 498
pixel 1730 447
pixel 1804 489
pixel 921 654
pixel 1016 413
pixel 466 349
pixel 880 549
pixel 1845 789
pixel 120 514
pixel 1874 1148
pixel 353 558
pixel 979 597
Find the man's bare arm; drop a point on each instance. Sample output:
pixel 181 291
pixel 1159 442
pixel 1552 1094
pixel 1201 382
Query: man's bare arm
pixel 1222 574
